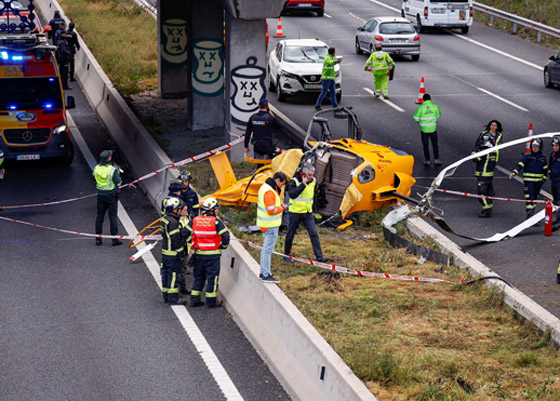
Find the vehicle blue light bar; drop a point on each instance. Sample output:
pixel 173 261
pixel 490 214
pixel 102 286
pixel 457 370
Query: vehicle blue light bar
pixel 4 55
pixel 12 107
pixel 48 106
pixel 17 58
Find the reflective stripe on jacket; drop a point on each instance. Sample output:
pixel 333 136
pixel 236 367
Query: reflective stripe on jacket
pixel 427 115
pixel 264 219
pixel 328 72
pixel 172 240
pixel 206 240
pixel 379 62
pixel 304 202
pixel 103 174
pixel 534 167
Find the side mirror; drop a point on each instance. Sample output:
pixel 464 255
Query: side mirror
pixel 70 103
pixel 360 29
pixel 552 58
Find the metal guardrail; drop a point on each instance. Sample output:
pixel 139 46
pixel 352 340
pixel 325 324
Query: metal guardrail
pixel 517 20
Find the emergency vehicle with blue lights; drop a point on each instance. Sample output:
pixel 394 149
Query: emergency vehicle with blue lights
pixel 33 124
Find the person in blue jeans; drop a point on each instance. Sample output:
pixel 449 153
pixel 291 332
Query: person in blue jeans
pixel 327 79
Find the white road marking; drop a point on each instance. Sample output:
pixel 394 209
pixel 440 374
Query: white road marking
pixel 474 42
pixel 327 15
pixel 358 18
pixel 205 351
pixel 502 99
pixel 386 101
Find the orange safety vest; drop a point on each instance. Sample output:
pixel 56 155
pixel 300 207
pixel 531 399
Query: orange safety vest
pixel 205 237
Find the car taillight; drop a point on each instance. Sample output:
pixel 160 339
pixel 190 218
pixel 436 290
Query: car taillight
pixel 378 38
pixel 416 38
pixel 471 11
pixel 425 12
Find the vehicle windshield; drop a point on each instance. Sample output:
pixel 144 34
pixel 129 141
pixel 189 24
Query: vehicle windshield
pixel 396 28
pixel 305 54
pixel 30 93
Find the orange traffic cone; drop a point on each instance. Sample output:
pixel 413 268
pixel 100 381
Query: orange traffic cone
pixel 279 33
pixel 421 92
pixel 528 145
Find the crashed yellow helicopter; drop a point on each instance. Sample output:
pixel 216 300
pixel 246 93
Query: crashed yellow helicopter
pixel 352 175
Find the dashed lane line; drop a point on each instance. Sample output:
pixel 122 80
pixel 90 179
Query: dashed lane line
pixel 205 351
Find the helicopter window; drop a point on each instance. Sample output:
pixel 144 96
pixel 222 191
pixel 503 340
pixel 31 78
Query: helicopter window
pixel 366 175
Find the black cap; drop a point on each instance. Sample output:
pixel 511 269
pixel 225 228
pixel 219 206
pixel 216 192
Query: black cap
pixel 105 155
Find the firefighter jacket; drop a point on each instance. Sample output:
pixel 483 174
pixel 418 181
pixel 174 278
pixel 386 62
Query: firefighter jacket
pixel 301 196
pixel 554 165
pixel 173 244
pixel 208 235
pixel 496 140
pixel 185 232
pixel 534 167
pixel 191 200
pixel 427 115
pixel 328 72
pixel 485 165
pixel 107 178
pixel 380 63
pixel 269 205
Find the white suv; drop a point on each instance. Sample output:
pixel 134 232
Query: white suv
pixel 439 13
pixel 295 66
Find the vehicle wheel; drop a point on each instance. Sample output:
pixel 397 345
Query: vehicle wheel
pixel 339 97
pixel 280 95
pixel 271 86
pixel 321 12
pixel 358 49
pixel 67 160
pixel 415 57
pixel 419 27
pixel 547 82
pixel 465 30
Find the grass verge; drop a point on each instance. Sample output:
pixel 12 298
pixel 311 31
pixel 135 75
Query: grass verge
pixel 407 340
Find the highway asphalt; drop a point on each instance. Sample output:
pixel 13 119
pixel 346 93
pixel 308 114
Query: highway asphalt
pixel 474 78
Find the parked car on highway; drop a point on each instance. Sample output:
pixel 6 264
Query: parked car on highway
pixel 395 34
pixel 552 71
pixel 293 6
pixel 295 66
pixel 439 13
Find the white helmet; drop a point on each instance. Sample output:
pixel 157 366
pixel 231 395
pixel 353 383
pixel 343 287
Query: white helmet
pixel 209 204
pixel 172 204
pixel 1 153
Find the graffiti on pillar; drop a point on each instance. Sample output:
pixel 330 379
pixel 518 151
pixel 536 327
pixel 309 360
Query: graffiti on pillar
pixel 208 74
pixel 248 90
pixel 174 41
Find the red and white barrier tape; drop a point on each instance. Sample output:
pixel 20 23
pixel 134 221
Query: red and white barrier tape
pixel 47 203
pixel 469 195
pixel 345 270
pixel 136 237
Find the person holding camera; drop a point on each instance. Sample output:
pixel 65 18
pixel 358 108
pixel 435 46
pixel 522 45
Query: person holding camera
pixel 260 127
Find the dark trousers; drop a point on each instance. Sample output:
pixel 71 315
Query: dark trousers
pixel 72 66
pixel 327 85
pixel 107 203
pixel 531 191
pixel 263 149
pixel 206 269
pixel 63 68
pixel 432 136
pixel 170 269
pixel 555 188
pixel 486 188
pixel 308 221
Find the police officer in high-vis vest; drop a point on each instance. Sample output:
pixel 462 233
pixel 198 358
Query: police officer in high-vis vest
pixel 172 251
pixel 427 115
pixel 107 180
pixel 301 190
pixel 208 237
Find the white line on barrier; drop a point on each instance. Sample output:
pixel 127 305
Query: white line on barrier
pixel 502 99
pixel 287 119
pixel 205 351
pixel 386 101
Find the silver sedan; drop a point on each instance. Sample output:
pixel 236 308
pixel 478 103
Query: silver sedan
pixel 397 36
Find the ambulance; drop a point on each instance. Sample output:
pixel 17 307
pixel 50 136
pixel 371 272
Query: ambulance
pixel 456 14
pixel 33 123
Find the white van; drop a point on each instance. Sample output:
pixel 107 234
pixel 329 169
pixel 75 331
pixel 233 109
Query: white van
pixel 439 13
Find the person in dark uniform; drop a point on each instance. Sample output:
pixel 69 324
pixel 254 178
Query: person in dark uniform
pixel 534 168
pixel 55 23
pixel 188 194
pixel 63 55
pixel 172 252
pixel 209 237
pixel 554 171
pixel 107 180
pixel 484 172
pixel 260 126
pixel 74 44
pixel 174 192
